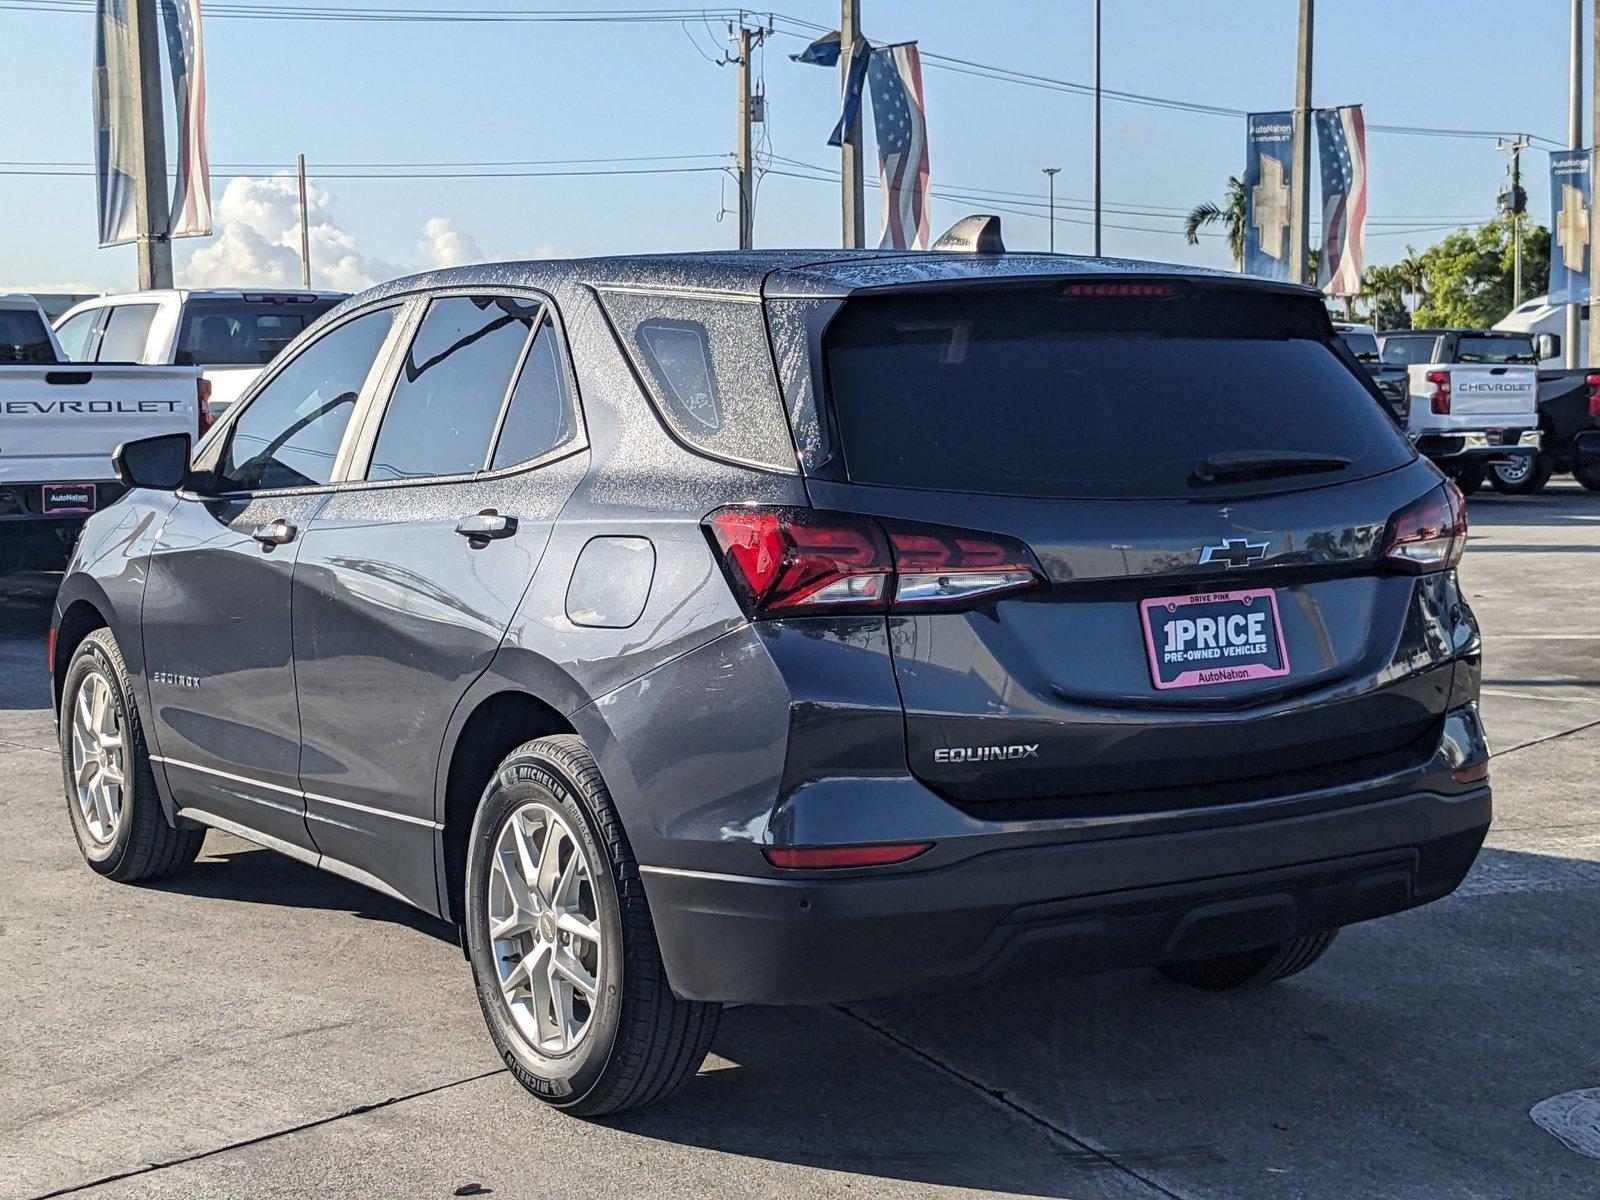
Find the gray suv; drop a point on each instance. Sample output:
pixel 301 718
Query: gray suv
pixel 793 627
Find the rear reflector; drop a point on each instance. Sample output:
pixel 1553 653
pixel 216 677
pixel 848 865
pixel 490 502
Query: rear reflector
pixel 794 561
pixel 817 858
pixel 1475 773
pixel 1429 534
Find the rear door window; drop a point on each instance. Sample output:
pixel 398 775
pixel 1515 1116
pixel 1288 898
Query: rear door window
pixel 541 417
pixel 24 338
pixel 242 333
pixel 127 330
pixel 290 433
pixel 452 387
pixel 1032 391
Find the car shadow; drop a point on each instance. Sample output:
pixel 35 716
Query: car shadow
pixel 252 875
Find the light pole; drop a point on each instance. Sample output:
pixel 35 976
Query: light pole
pixel 1096 133
pixel 1050 173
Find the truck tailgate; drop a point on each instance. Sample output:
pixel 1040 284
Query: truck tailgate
pixel 62 423
pixel 1485 396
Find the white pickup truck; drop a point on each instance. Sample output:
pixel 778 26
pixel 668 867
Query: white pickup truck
pixel 1473 399
pixel 229 334
pixel 59 425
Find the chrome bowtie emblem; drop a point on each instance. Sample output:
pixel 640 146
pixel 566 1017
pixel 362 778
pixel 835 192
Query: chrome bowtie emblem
pixel 1235 552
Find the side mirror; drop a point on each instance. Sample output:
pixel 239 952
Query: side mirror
pixel 1548 345
pixel 161 463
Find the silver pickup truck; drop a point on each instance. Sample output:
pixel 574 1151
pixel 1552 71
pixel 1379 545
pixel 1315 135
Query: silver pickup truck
pixel 59 425
pixel 1473 406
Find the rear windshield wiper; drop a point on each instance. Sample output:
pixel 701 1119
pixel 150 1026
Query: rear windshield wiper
pixel 1231 468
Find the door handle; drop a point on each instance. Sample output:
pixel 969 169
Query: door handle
pixel 482 528
pixel 275 533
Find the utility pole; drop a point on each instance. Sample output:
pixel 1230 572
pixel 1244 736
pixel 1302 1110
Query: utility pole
pixel 1300 195
pixel 1096 143
pixel 851 180
pixel 1050 173
pixel 1594 125
pixel 748 116
pixel 1575 141
pixel 305 224
pixel 150 196
pixel 1515 204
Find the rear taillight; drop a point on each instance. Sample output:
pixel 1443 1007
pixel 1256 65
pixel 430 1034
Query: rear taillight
pixel 1593 384
pixel 202 391
pixel 1439 398
pixel 820 858
pixel 794 561
pixel 1428 534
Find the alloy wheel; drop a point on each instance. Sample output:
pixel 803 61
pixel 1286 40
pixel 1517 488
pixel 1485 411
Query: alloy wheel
pixel 98 757
pixel 1514 471
pixel 544 929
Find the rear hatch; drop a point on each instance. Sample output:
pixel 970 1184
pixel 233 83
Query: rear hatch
pixel 1205 487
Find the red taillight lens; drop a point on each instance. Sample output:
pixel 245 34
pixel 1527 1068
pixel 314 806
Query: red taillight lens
pixel 785 561
pixel 1593 382
pixel 1429 534
pixel 202 388
pixel 818 858
pixel 1439 398
pixel 797 559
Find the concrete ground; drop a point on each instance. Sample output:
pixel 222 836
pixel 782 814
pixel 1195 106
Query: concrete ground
pixel 259 1029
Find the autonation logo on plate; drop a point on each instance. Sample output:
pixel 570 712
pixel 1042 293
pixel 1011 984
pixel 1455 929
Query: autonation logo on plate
pixel 1213 637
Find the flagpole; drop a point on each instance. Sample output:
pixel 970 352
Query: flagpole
pixel 1574 352
pixel 1050 172
pixel 852 188
pixel 305 224
pixel 1300 194
pixel 1096 141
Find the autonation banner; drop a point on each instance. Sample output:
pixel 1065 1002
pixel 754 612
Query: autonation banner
pixel 1571 202
pixel 1269 151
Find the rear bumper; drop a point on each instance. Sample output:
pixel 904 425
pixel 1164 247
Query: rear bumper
pixel 1050 910
pixel 1478 446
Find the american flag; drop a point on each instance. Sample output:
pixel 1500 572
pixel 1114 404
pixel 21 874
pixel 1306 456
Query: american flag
pixel 191 196
pixel 1342 144
pixel 895 74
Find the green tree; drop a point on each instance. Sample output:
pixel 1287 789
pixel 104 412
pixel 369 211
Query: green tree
pixel 1388 313
pixel 1469 274
pixel 1230 216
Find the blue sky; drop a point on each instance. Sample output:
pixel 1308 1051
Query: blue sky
pixel 404 93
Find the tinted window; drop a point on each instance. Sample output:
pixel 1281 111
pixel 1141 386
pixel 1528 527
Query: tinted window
pixel 24 338
pixel 1034 393
pixel 289 435
pixel 1407 350
pixel 73 334
pixel 241 333
pixel 541 416
pixel 450 392
pixel 127 331
pixel 1362 344
pixel 1493 348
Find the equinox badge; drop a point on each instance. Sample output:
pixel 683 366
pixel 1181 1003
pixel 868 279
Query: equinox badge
pixel 956 754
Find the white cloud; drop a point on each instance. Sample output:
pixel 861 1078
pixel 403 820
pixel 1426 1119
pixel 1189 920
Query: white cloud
pixel 445 244
pixel 258 242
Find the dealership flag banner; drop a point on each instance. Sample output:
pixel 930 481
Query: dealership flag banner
pixel 1342 146
pixel 116 147
pixel 1571 203
pixel 900 119
pixel 1269 151
pixel 191 194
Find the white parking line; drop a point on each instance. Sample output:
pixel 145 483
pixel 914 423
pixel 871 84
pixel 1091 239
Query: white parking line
pixel 1494 691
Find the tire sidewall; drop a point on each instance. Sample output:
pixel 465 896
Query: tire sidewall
pixel 560 1081
pixel 1532 480
pixel 92 658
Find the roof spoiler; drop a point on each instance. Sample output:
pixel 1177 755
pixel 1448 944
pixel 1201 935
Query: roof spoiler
pixel 977 234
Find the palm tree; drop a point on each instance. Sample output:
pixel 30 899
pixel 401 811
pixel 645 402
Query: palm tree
pixel 1230 216
pixel 1414 272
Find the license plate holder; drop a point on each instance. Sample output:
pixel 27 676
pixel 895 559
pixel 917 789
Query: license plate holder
pixel 68 499
pixel 1203 639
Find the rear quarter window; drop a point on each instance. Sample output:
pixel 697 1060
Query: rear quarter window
pixel 708 369
pixel 1031 392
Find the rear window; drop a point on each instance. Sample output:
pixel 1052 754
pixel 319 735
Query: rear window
pixel 1032 392
pixel 1490 348
pixel 1362 344
pixel 24 338
pixel 241 333
pixel 1408 350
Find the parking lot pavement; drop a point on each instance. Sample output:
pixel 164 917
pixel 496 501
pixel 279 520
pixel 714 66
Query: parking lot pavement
pixel 257 1028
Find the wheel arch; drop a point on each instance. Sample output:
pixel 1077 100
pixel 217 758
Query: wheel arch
pixel 79 618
